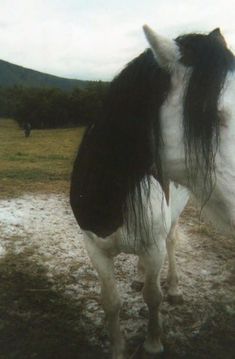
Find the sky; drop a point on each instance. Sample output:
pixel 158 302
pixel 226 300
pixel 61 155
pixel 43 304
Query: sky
pixel 94 39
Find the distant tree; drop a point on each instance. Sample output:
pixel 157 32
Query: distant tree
pixel 52 108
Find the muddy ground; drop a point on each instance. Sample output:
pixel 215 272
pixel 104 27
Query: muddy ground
pixel 49 293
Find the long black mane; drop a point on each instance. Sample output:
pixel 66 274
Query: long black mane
pixel 210 61
pixel 120 149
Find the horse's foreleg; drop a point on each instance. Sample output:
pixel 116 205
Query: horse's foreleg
pixel 174 293
pixel 111 301
pixel 153 261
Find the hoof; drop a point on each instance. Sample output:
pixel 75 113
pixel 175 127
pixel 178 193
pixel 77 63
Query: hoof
pixel 120 355
pixel 141 353
pixel 147 355
pixel 152 350
pixel 175 299
pixel 137 286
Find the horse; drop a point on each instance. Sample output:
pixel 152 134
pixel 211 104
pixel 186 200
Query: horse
pixel 168 128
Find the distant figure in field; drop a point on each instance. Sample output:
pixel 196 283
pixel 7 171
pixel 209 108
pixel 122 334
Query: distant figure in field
pixel 27 129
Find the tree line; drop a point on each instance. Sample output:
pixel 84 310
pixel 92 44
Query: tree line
pixel 52 107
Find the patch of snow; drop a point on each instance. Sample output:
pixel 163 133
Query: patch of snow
pixel 44 222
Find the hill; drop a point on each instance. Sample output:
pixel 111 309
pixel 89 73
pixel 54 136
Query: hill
pixel 15 75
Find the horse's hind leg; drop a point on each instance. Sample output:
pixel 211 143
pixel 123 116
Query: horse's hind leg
pixel 138 283
pixel 140 270
pixel 179 198
pixel 174 293
pixel 153 260
pixel 111 301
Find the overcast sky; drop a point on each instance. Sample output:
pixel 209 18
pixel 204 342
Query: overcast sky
pixel 93 39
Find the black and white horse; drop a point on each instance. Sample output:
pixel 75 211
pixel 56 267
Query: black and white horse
pixel 169 116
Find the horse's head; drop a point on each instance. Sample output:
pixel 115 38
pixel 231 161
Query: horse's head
pixel 202 104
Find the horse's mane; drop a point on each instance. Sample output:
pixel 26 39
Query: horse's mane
pixel 123 146
pixel 120 149
pixel 210 60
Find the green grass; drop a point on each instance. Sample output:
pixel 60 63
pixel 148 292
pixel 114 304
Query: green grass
pixel 40 163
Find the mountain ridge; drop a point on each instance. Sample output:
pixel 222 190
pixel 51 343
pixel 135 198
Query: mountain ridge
pixel 15 75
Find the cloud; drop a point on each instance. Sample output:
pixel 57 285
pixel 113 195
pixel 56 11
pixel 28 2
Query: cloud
pixel 94 39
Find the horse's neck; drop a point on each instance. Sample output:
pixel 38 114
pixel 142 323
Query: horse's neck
pixel 173 154
pixel 172 134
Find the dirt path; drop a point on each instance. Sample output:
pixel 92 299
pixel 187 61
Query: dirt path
pixel 49 293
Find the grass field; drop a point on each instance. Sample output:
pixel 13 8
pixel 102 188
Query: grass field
pixel 40 163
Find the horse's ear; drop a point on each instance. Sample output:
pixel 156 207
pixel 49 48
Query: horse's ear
pixel 166 51
pixel 216 34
